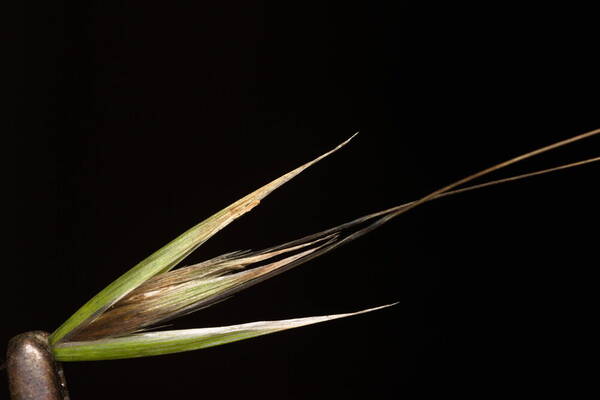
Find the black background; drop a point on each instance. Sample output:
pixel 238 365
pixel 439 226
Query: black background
pixel 136 120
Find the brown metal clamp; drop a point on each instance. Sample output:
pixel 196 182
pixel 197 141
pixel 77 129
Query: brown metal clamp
pixel 33 373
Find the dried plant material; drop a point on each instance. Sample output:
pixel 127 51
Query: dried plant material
pixel 187 289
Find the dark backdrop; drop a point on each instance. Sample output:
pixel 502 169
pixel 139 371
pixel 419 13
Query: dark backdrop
pixel 136 120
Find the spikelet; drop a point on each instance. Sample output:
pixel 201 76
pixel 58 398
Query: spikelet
pixel 111 325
